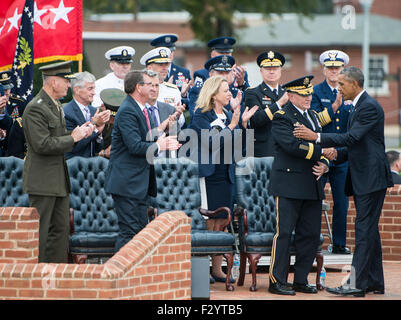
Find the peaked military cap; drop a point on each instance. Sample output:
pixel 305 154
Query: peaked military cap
pixel 59 69
pixel 334 58
pixel 112 99
pixel 167 40
pixel 5 80
pixel 223 44
pixel 156 55
pixel 270 59
pixel 302 86
pixel 122 54
pixel 220 63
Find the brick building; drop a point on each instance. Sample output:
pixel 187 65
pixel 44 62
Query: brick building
pixel 300 42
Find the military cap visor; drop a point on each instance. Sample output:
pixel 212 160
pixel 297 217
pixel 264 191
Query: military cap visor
pixel 5 80
pixel 223 44
pixel 112 99
pixel 122 54
pixel 220 63
pixel 157 55
pixel 334 58
pixel 270 59
pixel 59 69
pixel 301 86
pixel 167 40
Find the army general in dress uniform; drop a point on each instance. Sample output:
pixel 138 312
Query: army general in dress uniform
pixel 270 97
pixel 45 175
pixel 333 114
pixel 295 184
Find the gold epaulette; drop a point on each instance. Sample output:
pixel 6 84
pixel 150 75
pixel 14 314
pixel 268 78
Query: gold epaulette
pixel 19 120
pixel 171 85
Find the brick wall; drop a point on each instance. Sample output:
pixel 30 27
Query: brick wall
pixel 155 264
pixel 389 225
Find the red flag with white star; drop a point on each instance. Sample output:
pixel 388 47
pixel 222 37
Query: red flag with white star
pixel 57 30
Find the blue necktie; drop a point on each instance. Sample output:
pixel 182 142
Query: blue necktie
pixel 335 92
pixel 155 118
pixel 87 114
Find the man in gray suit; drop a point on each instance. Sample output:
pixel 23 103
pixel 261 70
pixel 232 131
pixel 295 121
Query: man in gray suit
pixel 164 115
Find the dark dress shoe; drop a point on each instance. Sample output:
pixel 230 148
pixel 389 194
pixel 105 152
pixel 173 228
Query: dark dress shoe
pixel 221 279
pixel 341 250
pixel 346 291
pixel 305 288
pixel 375 290
pixel 278 288
pixel 212 280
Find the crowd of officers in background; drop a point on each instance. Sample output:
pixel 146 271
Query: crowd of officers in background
pixel 174 102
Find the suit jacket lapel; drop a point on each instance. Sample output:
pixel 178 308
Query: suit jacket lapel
pixel 357 108
pixel 301 118
pixel 78 112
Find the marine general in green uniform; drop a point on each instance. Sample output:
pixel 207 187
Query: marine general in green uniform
pixel 45 175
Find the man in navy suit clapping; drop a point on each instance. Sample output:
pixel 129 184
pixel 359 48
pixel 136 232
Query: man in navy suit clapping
pixel 79 111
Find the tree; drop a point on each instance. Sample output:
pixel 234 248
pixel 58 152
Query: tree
pixel 215 18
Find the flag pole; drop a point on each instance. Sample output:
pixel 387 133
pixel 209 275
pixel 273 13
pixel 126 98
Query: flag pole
pixel 80 64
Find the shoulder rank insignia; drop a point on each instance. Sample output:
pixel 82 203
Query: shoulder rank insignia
pixel 19 120
pixel 171 85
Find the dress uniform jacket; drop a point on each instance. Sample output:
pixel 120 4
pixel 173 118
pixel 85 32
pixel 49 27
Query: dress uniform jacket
pixel 47 141
pixel 16 140
pixel 294 158
pixel 108 81
pixel 261 121
pixel 322 99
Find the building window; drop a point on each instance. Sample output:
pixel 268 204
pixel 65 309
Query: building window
pixel 288 61
pixel 378 69
pixel 315 61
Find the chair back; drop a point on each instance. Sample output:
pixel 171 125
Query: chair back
pixel 93 207
pixel 253 178
pixel 178 189
pixel 11 194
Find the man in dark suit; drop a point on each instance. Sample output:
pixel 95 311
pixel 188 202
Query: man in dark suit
pixel 394 161
pixel 270 97
pixel 296 186
pixel 130 175
pixel 45 177
pixel 368 177
pixel 80 110
pixel 333 114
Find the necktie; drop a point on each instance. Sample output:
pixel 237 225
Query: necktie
pixel 145 112
pixel 335 92
pixel 275 92
pixel 155 118
pixel 87 114
pixel 305 114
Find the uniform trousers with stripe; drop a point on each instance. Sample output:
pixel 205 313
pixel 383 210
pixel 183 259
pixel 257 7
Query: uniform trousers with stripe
pixel 303 217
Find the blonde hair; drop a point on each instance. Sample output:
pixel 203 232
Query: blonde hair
pixel 209 90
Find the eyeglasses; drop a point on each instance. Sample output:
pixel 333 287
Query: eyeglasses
pixel 150 84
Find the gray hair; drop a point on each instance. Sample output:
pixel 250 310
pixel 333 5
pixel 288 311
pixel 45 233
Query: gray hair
pixel 81 78
pixel 135 77
pixel 354 74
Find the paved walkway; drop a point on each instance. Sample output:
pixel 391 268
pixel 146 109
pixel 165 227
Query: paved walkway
pixel 335 276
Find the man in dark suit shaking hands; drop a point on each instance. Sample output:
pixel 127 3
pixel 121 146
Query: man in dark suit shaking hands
pixel 130 177
pixel 367 180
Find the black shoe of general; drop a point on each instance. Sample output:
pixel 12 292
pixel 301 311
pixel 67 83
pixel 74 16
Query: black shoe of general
pixel 341 250
pixel 305 288
pixel 278 288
